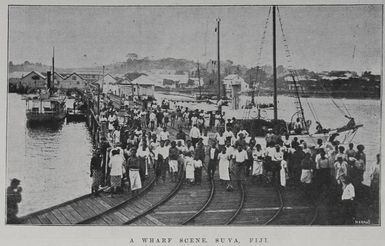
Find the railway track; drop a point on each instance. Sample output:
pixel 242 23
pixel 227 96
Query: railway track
pixel 223 206
pixel 297 208
pixel 145 189
pixel 83 209
pixel 188 203
pixel 130 212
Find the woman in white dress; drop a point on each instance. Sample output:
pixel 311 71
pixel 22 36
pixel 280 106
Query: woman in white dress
pixel 258 155
pixel 189 165
pixel 224 164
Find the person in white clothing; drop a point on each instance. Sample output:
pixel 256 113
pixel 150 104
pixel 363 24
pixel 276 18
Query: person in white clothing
pixel 195 135
pixel 240 157
pixel 347 198
pixel 116 165
pixel 189 167
pixel 224 164
pixel 258 156
pixel 164 135
pixel 197 170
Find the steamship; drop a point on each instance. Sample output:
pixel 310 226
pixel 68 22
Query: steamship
pixel 48 106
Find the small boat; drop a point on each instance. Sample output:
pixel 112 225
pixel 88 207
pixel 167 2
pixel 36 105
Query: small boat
pixel 45 107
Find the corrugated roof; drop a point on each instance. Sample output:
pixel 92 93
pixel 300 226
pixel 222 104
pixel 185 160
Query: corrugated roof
pixel 143 80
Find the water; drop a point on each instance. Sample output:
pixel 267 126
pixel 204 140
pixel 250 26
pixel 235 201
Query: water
pixel 52 162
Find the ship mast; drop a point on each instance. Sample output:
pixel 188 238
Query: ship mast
pixel 274 67
pixel 218 61
pixel 199 81
pixel 53 69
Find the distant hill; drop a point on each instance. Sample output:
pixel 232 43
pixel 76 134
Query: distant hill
pixel 29 66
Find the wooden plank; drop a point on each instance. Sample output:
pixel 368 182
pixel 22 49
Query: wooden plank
pixel 62 219
pixel 145 203
pixel 53 219
pixel 43 218
pixel 35 220
pixel 121 216
pixel 112 202
pixel 81 210
pixel 103 203
pixel 138 208
pixel 94 206
pixel 140 205
pixel 154 220
pixel 85 207
pixel 128 212
pixel 67 215
pixel 77 215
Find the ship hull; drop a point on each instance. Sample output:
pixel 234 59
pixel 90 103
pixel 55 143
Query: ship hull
pixel 43 117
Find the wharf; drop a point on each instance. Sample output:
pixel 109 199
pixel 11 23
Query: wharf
pixel 180 203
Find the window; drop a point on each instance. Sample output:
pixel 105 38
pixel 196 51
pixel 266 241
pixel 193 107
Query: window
pixel 78 82
pixel 74 77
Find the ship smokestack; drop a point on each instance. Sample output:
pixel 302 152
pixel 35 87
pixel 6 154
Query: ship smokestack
pixel 49 81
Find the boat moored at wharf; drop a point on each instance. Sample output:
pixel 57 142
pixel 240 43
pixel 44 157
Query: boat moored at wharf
pixel 45 108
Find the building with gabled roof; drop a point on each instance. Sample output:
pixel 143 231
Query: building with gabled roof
pixel 73 80
pixel 108 84
pixel 142 87
pixel 34 80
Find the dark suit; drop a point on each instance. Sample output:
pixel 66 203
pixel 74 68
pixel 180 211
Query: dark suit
pixel 213 162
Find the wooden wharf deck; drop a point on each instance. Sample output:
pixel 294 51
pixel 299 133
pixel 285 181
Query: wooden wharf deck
pixel 139 208
pixel 82 208
pixel 175 203
pixel 186 203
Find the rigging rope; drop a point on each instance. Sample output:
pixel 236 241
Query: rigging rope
pixel 263 38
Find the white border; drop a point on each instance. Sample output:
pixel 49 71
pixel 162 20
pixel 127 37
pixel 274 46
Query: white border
pixel 87 235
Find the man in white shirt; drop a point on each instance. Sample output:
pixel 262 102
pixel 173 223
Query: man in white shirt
pixel 161 158
pixel 228 134
pixel 276 157
pixel 347 198
pixel 195 134
pixel 240 157
pixel 164 135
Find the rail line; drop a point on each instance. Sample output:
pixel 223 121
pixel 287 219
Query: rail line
pixel 205 205
pixel 121 204
pixel 162 201
pixel 291 217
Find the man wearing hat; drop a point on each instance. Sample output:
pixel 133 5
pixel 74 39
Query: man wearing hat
pixel 13 198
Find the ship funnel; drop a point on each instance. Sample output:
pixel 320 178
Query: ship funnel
pixel 49 80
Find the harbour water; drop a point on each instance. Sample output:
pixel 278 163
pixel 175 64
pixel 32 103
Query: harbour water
pixel 53 162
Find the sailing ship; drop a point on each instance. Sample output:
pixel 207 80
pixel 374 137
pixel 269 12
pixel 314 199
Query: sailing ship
pixel 47 106
pixel 298 126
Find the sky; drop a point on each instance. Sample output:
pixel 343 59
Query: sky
pixel 319 38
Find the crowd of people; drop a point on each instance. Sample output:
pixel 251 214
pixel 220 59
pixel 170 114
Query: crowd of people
pixel 171 141
pixel 205 139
